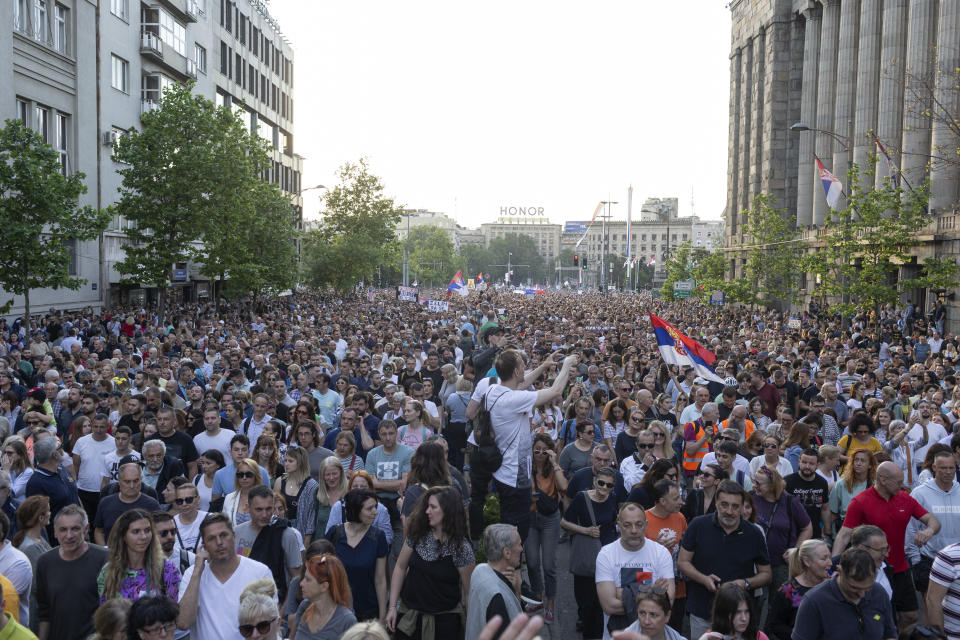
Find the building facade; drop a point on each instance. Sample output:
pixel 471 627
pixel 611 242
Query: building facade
pixel 545 235
pixel 846 70
pixel 83 75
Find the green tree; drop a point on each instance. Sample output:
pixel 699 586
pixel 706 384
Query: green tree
pixel 864 244
pixel 40 216
pixel 771 272
pixel 170 187
pixel 704 266
pixel 357 233
pixel 432 259
pixel 473 259
pixel 524 252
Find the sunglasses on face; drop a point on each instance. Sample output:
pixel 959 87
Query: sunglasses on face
pixel 262 627
pixel 588 433
pixel 244 474
pixel 605 484
pixel 645 445
pixel 771 445
pixel 190 499
pixel 704 474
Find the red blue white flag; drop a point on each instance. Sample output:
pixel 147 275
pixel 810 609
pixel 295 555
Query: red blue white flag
pixel 832 187
pixel 678 349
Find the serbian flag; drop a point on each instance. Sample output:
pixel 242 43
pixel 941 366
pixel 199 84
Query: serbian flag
pixel 653 260
pixel 832 187
pixel 458 285
pixel 894 172
pixel 678 349
pixel 479 278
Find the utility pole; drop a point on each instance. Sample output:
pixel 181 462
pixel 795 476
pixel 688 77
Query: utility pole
pixel 603 243
pixel 509 266
pixel 433 266
pixel 406 254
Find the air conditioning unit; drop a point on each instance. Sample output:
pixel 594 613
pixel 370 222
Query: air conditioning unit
pixel 109 138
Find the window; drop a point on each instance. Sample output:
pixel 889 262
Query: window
pixel 200 57
pixel 242 28
pixel 120 74
pixel 61 142
pixel 224 58
pixel 40 29
pixel 60 28
pixel 238 64
pixel 20 15
pixel 71 246
pixel 119 8
pixel 22 111
pixel 153 85
pixel 42 122
pixel 228 23
pixel 255 40
pixel 173 33
pixel 252 74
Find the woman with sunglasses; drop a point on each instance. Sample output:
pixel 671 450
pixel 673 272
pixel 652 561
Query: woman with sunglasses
pixel 548 486
pixel 152 618
pixel 771 458
pixel 862 427
pixel 700 501
pixel 259 617
pixel 662 448
pixel 576 455
pixel 653 613
pixel 246 477
pixel 625 444
pixel 325 612
pixel 135 563
pixel 187 518
pixel 592 514
pixel 782 517
pixel 733 616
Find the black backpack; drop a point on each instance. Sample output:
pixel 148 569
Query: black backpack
pixel 486 458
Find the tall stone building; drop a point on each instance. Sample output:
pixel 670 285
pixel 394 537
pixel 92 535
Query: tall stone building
pixel 846 69
pixel 82 73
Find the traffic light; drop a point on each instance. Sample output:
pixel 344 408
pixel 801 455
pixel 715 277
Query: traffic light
pixel 576 260
pixel 584 265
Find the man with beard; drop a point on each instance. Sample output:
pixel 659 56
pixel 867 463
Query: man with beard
pixel 738 420
pixel 744 559
pixel 812 491
pixel 132 413
pixel 69 412
pixel 166 531
pixel 920 419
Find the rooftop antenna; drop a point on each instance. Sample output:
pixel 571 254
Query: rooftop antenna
pixel 692 210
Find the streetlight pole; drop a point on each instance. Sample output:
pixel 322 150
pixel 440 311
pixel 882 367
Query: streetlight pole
pixel 603 242
pixel 300 193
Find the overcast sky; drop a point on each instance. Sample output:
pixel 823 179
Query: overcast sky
pixel 466 107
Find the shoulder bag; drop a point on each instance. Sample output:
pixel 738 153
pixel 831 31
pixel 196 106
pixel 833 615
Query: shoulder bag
pixel 584 549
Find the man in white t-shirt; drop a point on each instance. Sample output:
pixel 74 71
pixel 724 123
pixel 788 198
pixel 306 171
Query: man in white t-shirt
pixel 641 559
pixel 213 437
pixel 122 437
pixel 510 406
pixel 88 453
pixel 210 595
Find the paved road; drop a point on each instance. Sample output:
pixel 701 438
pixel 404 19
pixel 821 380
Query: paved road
pixel 565 607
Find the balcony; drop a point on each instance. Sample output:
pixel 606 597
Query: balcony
pixel 192 11
pixel 191 69
pixel 147 105
pixel 151 45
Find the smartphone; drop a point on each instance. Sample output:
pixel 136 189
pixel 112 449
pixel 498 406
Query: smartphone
pixel 579 379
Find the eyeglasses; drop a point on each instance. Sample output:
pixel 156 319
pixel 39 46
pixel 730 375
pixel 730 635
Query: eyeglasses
pixel 190 499
pixel 167 627
pixel 262 627
pixel 605 484
pixel 244 474
pixel 645 445
pixel 770 445
pixel 588 433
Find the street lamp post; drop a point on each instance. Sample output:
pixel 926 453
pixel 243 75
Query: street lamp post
pixel 300 193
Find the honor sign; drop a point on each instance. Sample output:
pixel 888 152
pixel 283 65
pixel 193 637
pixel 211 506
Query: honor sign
pixel 522 211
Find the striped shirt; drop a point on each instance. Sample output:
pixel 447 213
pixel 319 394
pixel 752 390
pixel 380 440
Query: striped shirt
pixel 946 572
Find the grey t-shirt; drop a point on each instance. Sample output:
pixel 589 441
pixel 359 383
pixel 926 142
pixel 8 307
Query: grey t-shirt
pixel 341 620
pixel 572 460
pixel 384 466
pixel 291 545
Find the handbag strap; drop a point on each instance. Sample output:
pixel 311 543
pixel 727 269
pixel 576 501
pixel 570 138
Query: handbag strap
pixel 593 518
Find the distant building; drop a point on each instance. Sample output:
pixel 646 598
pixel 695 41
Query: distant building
pixel 545 235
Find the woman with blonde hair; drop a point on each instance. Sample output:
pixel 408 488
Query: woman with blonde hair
pixel 111 619
pixel 332 487
pixel 370 630
pixel 326 610
pixel 857 476
pixel 298 490
pixel 258 615
pixel 810 564
pixel 246 477
pixel 346 452
pixel 661 440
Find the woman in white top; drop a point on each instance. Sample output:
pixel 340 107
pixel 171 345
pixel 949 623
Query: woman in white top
pixel 771 457
pixel 16 462
pixel 246 476
pixel 903 452
pixel 188 517
pixel 209 463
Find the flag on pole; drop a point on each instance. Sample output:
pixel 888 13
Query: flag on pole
pixel 894 172
pixel 832 187
pixel 415 283
pixel 457 284
pixel 480 278
pixel 629 216
pixel 592 219
pixel 678 349
pixel 653 261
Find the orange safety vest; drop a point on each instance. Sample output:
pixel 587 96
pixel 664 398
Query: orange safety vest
pixel 691 461
pixel 748 427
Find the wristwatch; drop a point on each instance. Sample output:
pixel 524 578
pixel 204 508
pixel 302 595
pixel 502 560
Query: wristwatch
pixel 746 584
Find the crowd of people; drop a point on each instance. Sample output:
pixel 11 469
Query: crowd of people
pixel 322 466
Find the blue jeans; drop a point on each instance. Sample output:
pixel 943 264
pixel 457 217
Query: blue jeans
pixel 541 550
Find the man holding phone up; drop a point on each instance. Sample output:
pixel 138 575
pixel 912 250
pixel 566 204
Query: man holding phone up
pixel 698 437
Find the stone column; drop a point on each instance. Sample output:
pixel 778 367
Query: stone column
pixel 808 115
pixel 733 148
pixel 826 92
pixel 746 128
pixel 920 70
pixel 846 88
pixel 893 54
pixel 759 115
pixel 944 176
pixel 868 86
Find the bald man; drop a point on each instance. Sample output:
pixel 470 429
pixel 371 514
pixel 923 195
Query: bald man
pixel 887 507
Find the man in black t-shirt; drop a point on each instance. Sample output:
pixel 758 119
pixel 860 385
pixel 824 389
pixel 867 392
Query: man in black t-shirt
pixel 811 489
pixel 788 390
